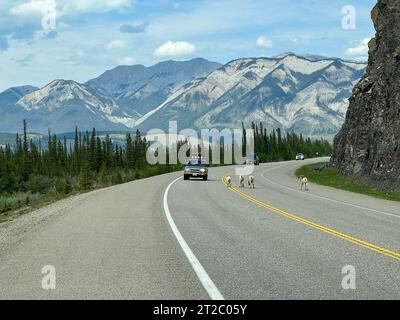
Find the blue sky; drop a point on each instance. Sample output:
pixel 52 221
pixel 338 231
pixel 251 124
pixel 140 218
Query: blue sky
pixel 42 40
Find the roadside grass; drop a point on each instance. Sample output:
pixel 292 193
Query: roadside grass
pixel 332 178
pixel 20 203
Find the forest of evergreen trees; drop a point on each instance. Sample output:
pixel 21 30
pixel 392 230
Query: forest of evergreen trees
pixel 276 146
pixel 30 173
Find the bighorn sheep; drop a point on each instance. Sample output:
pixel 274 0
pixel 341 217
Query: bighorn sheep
pixel 241 182
pixel 251 182
pixel 304 183
pixel 229 181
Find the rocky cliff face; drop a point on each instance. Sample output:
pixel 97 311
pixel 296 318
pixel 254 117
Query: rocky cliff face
pixel 369 143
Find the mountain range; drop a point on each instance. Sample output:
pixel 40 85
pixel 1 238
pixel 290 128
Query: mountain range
pixel 307 94
pixel 142 89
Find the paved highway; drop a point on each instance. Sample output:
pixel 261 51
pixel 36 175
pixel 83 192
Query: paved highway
pixel 165 238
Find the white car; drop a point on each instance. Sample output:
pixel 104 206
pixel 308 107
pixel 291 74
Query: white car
pixel 300 156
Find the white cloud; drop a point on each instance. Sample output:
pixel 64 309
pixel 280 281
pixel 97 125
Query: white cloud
pixel 33 7
pixel 96 5
pixel 175 49
pixel 127 61
pixel 263 42
pixel 69 7
pixel 116 44
pixel 361 49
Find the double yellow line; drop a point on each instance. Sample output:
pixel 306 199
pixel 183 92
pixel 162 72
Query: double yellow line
pixel 314 225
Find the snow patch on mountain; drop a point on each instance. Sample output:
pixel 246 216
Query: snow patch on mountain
pixel 291 92
pixel 302 93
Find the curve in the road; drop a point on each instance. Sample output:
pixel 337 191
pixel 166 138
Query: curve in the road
pixel 359 242
pixel 201 273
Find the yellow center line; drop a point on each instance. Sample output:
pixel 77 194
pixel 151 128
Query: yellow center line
pixel 359 242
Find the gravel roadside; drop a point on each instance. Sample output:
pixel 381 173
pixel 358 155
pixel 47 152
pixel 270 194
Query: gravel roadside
pixel 14 231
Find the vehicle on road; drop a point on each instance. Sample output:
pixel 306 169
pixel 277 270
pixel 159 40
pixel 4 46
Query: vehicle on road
pixel 300 156
pixel 253 160
pixel 195 170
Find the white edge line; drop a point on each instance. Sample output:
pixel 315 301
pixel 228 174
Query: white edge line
pixel 201 273
pixel 325 198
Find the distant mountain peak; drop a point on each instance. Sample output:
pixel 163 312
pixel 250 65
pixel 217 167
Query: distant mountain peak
pixel 305 93
pixel 289 91
pixel 10 96
pixel 20 89
pixel 58 82
pixel 53 94
pixel 145 88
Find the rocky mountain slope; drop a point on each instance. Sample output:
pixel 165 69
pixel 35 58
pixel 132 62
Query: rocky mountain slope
pixel 144 89
pixel 369 143
pixel 289 91
pixel 61 105
pixel 10 116
pixel 305 93
pixel 10 96
pixel 112 101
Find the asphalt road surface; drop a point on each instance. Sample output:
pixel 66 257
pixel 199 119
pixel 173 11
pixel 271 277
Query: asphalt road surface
pixel 165 238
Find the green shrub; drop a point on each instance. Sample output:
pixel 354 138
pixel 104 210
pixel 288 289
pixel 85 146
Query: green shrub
pixel 40 184
pixel 116 178
pixel 85 179
pixel 13 201
pixel 9 183
pixel 63 186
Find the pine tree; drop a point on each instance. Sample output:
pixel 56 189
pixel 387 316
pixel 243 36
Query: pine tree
pixel 85 182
